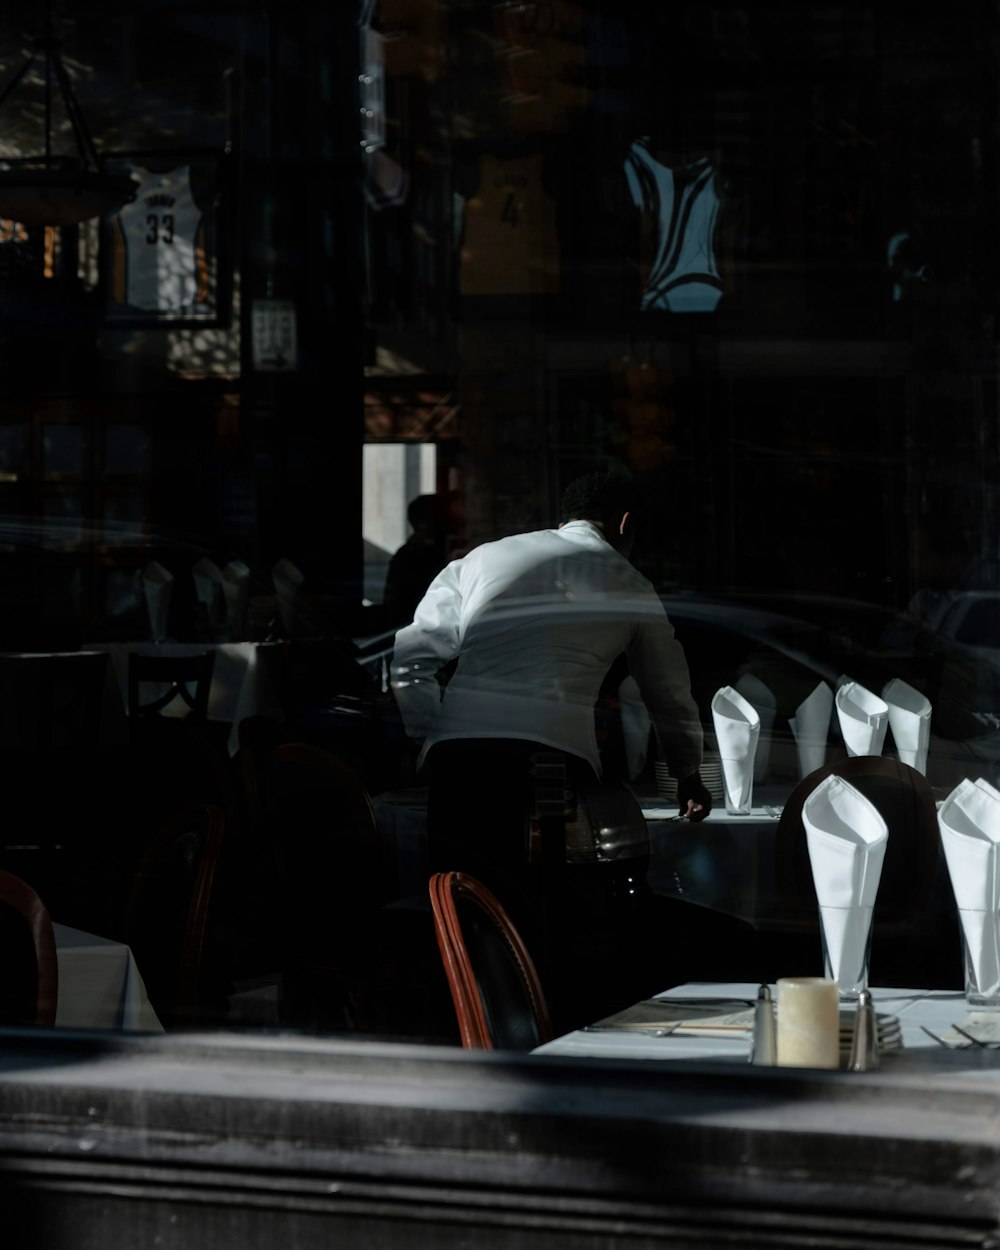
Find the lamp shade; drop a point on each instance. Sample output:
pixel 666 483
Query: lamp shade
pixel 61 197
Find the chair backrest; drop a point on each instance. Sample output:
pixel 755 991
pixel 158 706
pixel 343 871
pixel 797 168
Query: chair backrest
pixel 494 985
pixel 906 803
pixel 27 927
pixel 52 701
pixel 258 737
pixel 168 909
pixel 306 783
pixel 156 681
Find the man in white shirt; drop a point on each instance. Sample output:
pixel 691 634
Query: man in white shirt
pixel 528 627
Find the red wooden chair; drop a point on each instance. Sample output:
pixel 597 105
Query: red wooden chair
pixel 494 985
pixel 17 896
pixel 168 910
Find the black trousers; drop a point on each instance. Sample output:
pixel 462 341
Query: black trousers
pixel 497 810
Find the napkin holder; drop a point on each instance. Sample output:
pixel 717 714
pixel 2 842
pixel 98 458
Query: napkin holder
pixel 846 838
pixel 158 589
pixel 737 729
pixel 207 578
pixel 863 718
pixel 236 593
pixel 810 728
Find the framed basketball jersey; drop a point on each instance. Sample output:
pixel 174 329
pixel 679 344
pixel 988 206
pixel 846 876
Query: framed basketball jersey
pixel 159 252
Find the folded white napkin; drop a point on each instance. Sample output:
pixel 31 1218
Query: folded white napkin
pixel 636 725
pixel 810 727
pixel 208 590
pixel 863 718
pixel 765 705
pixel 846 837
pixel 287 583
pixel 236 592
pixel 158 588
pixel 969 820
pixel 737 728
pixel 910 722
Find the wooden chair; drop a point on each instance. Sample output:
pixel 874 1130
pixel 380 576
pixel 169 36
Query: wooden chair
pixel 909 933
pixel 20 904
pixel 494 986
pixel 169 907
pixel 187 678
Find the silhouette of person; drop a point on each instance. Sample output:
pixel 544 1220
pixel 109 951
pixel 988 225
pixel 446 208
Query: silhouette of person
pixel 415 565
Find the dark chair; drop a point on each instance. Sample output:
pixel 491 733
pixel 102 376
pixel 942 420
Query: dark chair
pixel 259 737
pixel 30 971
pixel 914 934
pixel 157 681
pixel 169 908
pixel 182 756
pixel 494 986
pixel 51 702
pixel 328 882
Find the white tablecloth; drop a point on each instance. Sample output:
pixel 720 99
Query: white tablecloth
pixel 99 985
pixel 935 1009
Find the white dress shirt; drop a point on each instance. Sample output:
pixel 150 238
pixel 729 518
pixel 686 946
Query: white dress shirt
pixel 535 622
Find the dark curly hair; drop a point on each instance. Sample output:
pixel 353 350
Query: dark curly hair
pixel 603 496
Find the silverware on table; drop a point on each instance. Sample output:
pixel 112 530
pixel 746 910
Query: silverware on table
pixel 663 1031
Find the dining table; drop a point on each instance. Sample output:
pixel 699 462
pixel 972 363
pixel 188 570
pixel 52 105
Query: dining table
pixel 100 986
pixel 934 1030
pixel 725 862
pixel 246 679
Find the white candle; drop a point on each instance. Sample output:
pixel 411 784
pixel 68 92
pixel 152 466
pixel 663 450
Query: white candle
pixel 808 1033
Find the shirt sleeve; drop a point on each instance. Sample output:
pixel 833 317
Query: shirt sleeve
pixel 658 664
pixel 423 648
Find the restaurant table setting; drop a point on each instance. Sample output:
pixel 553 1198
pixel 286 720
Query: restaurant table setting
pixel 838 1020
pixel 901 1029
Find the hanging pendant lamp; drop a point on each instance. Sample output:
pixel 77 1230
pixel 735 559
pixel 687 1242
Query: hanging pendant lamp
pixel 48 190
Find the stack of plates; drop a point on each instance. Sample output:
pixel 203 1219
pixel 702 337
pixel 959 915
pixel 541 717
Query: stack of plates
pixel 890 1032
pixel 711 775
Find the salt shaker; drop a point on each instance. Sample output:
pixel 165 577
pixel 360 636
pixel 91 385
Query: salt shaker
pixel 864 1044
pixel 763 1049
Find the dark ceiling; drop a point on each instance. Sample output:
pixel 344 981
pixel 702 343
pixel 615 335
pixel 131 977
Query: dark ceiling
pixel 146 75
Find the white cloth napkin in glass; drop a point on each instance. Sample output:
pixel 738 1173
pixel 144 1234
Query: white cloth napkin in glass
pixel 846 837
pixel 969 821
pixel 764 703
pixel 864 718
pixel 158 588
pixel 208 590
pixel 287 583
pixel 910 722
pixel 737 728
pixel 810 727
pixel 236 592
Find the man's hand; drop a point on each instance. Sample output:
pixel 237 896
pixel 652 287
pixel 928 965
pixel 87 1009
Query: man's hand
pixel 695 800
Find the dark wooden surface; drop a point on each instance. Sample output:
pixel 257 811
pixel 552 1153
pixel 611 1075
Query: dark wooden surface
pixel 193 1142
